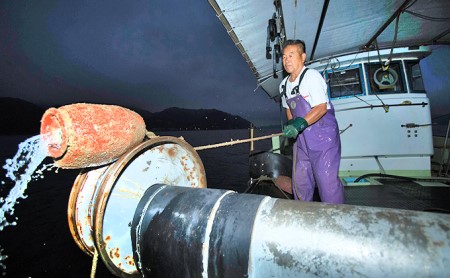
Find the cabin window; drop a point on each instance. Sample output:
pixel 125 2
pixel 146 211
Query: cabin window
pixel 415 76
pixel 385 81
pixel 344 83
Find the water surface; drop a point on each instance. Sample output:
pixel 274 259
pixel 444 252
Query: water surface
pixel 41 244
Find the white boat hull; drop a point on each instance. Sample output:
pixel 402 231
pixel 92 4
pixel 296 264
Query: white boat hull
pixel 398 141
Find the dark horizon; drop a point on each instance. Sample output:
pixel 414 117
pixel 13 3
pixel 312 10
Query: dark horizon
pixel 142 54
pixel 146 55
pixel 22 117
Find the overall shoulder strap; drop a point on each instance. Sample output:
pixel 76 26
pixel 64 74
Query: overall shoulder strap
pixel 283 88
pixel 301 76
pixel 297 88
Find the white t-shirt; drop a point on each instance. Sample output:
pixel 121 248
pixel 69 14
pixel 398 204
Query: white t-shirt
pixel 313 88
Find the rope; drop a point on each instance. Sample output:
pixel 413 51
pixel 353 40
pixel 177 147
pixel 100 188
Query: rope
pixel 94 263
pixel 255 182
pixel 149 134
pixel 234 142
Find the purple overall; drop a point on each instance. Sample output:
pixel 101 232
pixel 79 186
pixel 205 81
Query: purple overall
pixel 317 155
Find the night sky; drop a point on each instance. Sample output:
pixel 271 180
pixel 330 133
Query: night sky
pixel 146 54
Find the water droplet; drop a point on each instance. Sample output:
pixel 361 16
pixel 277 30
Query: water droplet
pixel 20 170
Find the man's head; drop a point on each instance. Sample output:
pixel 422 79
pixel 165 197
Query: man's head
pixel 294 56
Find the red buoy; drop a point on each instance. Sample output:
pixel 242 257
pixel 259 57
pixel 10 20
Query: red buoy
pixel 86 135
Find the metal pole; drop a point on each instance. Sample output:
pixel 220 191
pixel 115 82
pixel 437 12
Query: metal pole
pixel 252 131
pixel 444 148
pixel 188 232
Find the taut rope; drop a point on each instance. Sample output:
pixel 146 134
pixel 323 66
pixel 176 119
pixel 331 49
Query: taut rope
pixel 234 142
pixel 94 263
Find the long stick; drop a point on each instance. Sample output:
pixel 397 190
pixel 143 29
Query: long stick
pixel 233 142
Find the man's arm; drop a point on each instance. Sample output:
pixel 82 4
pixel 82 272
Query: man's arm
pixel 298 124
pixel 315 113
pixel 288 114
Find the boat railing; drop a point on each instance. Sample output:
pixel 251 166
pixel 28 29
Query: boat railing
pixel 442 153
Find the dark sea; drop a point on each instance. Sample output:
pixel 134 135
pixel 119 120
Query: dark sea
pixel 41 244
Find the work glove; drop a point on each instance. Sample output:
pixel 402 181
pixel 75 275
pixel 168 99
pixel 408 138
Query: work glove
pixel 295 127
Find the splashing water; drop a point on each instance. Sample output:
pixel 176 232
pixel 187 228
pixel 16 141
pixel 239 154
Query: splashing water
pixel 21 170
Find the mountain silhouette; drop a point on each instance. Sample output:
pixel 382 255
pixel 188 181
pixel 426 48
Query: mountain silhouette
pixel 194 119
pixel 20 117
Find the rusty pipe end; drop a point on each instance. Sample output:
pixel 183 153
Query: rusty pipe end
pixel 53 133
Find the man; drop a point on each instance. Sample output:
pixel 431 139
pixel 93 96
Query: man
pixel 310 114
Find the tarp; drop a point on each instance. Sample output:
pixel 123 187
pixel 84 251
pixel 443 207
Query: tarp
pixel 331 27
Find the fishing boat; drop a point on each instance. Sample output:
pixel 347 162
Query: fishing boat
pixel 369 53
pixel 149 213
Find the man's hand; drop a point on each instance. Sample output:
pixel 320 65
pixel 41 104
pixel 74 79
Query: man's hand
pixel 295 127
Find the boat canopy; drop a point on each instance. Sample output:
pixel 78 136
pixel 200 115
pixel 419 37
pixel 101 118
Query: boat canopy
pixel 329 28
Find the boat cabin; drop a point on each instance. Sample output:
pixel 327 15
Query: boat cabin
pixel 382 110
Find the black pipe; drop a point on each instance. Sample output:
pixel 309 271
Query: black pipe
pixel 193 232
pixel 398 177
pixel 168 235
pixel 319 28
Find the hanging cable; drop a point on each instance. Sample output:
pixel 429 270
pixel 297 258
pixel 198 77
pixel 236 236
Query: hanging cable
pixel 394 41
pixel 363 100
pixel 410 5
pixel 430 18
pixel 386 107
pixel 379 56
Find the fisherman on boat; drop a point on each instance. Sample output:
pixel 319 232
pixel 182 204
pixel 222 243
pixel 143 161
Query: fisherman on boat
pixel 311 120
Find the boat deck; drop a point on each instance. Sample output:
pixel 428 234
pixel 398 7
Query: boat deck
pixel 401 194
pixel 433 195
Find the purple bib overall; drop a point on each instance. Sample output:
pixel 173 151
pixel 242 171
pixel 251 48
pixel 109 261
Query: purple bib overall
pixel 317 155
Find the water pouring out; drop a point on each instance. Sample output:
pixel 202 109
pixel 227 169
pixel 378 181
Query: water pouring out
pixel 86 135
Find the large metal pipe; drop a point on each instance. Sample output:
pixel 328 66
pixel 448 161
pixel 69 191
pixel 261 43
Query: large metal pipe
pixel 189 232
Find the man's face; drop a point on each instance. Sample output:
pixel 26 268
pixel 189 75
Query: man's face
pixel 293 59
